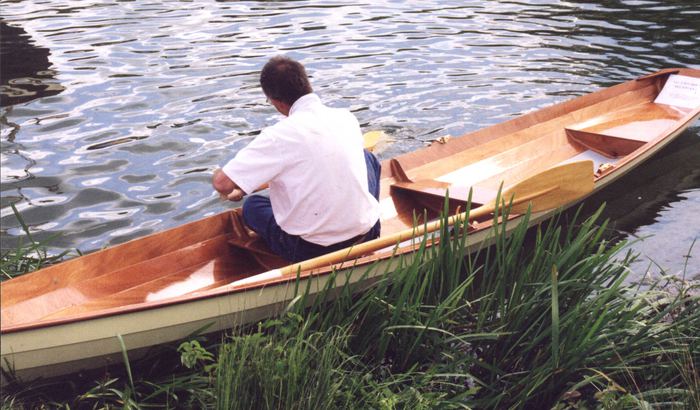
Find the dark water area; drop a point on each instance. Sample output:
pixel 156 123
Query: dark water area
pixel 115 113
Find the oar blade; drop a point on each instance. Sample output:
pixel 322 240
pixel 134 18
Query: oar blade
pixel 372 138
pixel 552 188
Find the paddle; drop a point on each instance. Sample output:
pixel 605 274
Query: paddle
pixel 550 189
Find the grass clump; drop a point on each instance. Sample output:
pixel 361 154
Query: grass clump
pixel 542 319
pixel 539 320
pixel 284 363
pixel 28 255
pixel 572 327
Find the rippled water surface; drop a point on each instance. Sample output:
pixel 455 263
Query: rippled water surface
pixel 115 113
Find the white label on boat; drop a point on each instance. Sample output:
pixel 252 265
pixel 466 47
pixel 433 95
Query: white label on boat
pixel 680 91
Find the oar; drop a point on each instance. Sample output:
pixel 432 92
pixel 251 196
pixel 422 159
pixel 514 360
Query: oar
pixel 550 189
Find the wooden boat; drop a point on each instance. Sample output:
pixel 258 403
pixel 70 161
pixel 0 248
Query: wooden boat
pixel 214 272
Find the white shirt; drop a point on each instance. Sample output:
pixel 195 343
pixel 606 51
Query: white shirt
pixel 314 162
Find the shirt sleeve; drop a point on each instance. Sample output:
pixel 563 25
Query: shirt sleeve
pixel 256 164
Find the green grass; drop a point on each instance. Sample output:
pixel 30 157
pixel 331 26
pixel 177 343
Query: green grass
pixel 29 255
pixel 542 319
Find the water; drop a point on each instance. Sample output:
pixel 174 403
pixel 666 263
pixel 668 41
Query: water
pixel 117 112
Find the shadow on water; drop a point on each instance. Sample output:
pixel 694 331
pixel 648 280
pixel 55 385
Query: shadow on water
pixel 25 68
pixel 637 198
pixel 655 207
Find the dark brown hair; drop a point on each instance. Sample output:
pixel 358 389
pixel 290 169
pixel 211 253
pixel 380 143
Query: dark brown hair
pixel 284 79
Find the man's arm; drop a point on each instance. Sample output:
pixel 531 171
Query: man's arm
pixel 226 187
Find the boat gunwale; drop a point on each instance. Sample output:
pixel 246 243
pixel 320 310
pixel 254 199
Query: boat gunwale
pixel 223 290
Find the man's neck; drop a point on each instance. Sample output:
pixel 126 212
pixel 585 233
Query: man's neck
pixel 282 107
pixel 305 100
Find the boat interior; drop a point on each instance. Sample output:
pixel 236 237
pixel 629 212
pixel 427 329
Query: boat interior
pixel 610 127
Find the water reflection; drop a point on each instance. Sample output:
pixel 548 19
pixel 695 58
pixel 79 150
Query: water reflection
pixel 158 94
pixel 25 68
pixel 658 205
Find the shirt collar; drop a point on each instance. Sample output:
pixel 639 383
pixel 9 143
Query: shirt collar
pixel 304 102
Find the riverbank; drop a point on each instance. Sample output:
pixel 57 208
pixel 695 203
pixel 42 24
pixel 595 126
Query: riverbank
pixel 542 319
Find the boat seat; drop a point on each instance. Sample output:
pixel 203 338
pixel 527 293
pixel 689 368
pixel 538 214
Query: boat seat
pixel 431 193
pixel 622 132
pixel 248 241
pixel 259 251
pixel 429 189
pixel 605 145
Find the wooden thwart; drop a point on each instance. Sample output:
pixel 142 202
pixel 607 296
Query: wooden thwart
pixel 431 193
pixel 253 244
pixel 435 192
pixel 605 145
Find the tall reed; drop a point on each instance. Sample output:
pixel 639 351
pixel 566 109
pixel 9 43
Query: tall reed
pixel 530 322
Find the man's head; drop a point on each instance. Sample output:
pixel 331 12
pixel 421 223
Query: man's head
pixel 284 80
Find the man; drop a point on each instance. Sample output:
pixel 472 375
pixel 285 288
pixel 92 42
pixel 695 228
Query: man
pixel 324 187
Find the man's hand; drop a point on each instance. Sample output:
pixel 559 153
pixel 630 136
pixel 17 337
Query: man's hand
pixel 226 188
pixel 235 195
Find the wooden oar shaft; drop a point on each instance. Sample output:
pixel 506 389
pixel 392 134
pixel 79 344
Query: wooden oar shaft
pixel 526 198
pixel 398 237
pixel 382 242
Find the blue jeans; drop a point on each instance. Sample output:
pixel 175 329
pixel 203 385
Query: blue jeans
pixel 257 214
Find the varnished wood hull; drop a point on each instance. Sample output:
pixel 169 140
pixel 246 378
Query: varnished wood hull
pixel 165 286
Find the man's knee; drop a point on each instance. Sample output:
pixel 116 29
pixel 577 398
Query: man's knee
pixel 255 210
pixel 374 167
pixel 374 170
